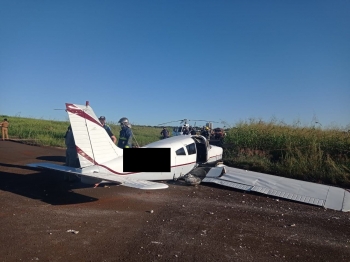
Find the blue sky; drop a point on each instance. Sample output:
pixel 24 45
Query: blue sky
pixel 158 61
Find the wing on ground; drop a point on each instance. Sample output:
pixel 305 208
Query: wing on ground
pixel 124 181
pixel 297 190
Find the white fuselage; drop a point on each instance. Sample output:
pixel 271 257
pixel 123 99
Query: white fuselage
pixel 186 153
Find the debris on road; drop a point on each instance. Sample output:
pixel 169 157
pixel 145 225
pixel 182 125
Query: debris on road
pixel 72 231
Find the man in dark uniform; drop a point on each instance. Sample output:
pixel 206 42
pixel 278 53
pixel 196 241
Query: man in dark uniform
pixel 164 133
pixel 107 128
pixel 125 135
pixel 192 131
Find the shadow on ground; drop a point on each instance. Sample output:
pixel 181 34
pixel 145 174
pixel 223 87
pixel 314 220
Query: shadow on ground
pixel 47 186
pixel 61 159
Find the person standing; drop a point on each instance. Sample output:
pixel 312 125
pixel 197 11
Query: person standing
pixel 185 131
pixel 164 133
pixel 107 128
pixel 205 132
pixel 192 131
pixel 125 135
pixel 4 128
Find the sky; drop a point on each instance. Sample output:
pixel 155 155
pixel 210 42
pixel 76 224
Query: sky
pixel 163 60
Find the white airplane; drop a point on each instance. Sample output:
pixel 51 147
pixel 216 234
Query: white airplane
pixel 101 160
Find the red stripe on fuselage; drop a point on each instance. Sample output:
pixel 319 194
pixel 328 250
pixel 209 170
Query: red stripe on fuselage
pixel 86 156
pixel 215 156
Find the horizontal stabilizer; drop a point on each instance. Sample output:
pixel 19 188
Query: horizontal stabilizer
pixel 127 181
pixel 124 181
pixel 56 167
pixel 292 189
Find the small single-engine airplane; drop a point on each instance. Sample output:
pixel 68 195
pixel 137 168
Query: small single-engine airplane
pixel 101 160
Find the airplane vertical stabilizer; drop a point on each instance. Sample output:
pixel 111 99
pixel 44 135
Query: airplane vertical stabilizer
pixel 93 143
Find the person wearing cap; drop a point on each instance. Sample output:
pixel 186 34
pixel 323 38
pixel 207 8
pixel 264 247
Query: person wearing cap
pixel 125 135
pixel 4 128
pixel 107 128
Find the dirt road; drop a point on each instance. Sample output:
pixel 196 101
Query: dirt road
pixel 182 223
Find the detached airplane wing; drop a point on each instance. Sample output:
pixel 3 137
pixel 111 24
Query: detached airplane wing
pixel 292 189
pixel 127 181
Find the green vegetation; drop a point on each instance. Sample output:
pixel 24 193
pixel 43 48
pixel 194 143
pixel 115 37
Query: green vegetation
pixel 42 132
pixel 310 154
pixel 306 153
pixel 51 133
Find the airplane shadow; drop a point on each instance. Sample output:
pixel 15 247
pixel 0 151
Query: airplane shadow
pixel 61 159
pixel 46 185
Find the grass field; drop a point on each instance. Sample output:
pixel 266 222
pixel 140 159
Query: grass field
pixel 310 154
pixel 306 153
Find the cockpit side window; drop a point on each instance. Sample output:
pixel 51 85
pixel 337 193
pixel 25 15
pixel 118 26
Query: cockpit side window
pixel 181 152
pixel 191 149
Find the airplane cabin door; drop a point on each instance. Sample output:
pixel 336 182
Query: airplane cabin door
pixel 181 160
pixel 191 158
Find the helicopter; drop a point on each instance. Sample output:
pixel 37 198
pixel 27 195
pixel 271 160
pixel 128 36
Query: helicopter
pixel 184 124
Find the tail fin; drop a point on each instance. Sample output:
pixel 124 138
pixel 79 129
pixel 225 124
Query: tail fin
pixel 92 141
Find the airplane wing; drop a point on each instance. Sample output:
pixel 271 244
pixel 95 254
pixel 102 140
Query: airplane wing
pixel 56 167
pixel 292 189
pixel 124 181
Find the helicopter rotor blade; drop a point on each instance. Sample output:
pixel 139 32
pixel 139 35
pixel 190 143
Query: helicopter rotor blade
pixel 169 122
pixel 205 121
pixel 185 121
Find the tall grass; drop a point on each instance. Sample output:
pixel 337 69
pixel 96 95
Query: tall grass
pixel 43 132
pixel 306 153
pixel 51 133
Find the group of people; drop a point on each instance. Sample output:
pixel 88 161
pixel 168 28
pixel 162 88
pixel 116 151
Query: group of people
pixel 188 131
pixel 125 141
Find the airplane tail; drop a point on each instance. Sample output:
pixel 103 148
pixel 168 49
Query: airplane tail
pixel 94 146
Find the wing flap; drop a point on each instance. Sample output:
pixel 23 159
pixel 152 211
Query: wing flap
pixel 292 189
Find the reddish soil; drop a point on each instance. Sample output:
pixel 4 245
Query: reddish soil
pixel 182 223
